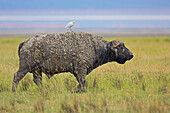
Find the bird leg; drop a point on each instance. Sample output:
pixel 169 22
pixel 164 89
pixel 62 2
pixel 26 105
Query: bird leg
pixel 70 29
pixel 67 30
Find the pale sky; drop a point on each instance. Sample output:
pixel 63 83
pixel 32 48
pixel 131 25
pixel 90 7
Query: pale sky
pixel 53 14
pixel 84 4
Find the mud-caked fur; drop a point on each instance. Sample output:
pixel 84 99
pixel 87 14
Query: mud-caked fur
pixel 75 52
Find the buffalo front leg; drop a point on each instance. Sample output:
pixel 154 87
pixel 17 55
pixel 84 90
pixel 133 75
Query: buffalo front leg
pixel 82 82
pixel 17 77
pixel 81 78
pixel 37 77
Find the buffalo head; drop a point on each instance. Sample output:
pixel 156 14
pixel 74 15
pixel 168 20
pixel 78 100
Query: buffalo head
pixel 120 53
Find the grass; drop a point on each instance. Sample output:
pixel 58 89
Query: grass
pixel 140 85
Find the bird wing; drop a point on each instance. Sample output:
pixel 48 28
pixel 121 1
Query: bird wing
pixel 69 24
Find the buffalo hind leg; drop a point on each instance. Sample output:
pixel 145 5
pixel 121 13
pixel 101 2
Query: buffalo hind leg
pixel 17 77
pixel 37 77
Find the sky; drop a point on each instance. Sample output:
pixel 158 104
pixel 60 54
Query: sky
pixel 84 4
pixel 91 14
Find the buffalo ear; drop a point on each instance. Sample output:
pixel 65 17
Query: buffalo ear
pixel 112 46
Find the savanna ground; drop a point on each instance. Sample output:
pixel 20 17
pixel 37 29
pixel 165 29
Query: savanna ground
pixel 140 85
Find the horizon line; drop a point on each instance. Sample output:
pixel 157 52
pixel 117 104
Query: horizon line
pixel 84 17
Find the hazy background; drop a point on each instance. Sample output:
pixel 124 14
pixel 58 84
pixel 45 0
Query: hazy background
pixel 109 18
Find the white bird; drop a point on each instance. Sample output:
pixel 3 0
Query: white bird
pixel 69 25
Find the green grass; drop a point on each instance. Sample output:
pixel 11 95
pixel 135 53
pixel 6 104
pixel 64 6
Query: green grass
pixel 140 85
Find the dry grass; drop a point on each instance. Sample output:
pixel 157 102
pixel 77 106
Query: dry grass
pixel 140 85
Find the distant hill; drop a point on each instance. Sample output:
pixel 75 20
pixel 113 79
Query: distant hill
pixel 101 32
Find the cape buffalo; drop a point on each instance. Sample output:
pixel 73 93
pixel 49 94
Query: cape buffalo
pixel 75 52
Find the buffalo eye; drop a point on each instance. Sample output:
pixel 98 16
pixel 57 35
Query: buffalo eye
pixel 121 47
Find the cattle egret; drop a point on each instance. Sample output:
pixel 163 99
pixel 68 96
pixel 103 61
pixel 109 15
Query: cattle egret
pixel 69 25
